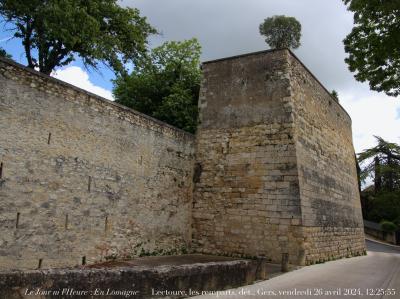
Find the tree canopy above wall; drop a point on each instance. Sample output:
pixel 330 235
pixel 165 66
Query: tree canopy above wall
pixel 54 33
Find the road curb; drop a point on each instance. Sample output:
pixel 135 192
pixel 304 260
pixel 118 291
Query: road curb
pixel 387 244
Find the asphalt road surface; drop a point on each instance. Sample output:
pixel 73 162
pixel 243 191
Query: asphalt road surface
pixel 376 275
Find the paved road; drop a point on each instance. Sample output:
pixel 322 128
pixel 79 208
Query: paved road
pixel 346 278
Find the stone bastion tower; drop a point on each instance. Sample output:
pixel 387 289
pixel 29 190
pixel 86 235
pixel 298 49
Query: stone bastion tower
pixel 275 169
pixel 271 170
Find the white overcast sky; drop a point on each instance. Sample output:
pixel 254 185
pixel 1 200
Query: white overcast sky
pixel 230 27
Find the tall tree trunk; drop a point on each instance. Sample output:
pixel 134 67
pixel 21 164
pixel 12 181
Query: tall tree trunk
pixel 378 175
pixel 390 182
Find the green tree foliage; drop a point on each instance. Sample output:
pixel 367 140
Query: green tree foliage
pixel 388 226
pixel 382 164
pixel 165 84
pixel 382 206
pixel 374 44
pixel 3 53
pixel 335 94
pixel 281 32
pixel 54 32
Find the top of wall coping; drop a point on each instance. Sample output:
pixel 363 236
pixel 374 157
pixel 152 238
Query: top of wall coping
pixel 161 123
pixel 97 97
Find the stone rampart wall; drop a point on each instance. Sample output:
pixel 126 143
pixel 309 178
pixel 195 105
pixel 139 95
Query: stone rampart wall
pixel 85 179
pixel 330 200
pixel 246 199
pixel 275 163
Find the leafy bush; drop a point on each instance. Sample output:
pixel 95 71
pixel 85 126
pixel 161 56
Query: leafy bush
pixel 388 226
pixel 165 84
pixel 384 206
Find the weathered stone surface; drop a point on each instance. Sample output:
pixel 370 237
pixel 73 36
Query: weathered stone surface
pixel 277 163
pixel 86 177
pixel 331 209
